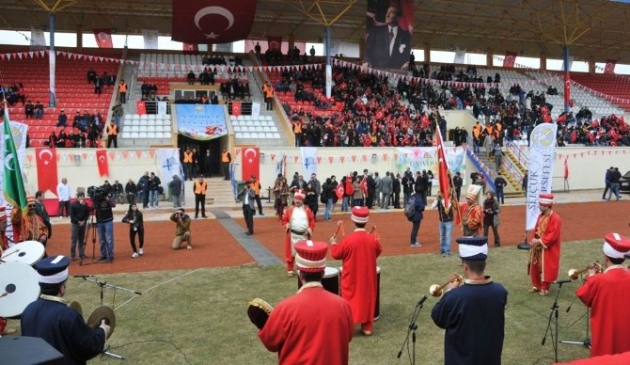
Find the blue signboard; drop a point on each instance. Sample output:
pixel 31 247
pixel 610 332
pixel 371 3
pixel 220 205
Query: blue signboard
pixel 201 121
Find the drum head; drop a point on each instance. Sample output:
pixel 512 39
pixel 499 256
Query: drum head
pixel 103 312
pixel 330 272
pixel 19 287
pixel 28 252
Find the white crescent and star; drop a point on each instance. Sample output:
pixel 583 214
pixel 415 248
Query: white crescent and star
pixel 251 159
pixel 7 162
pixel 45 152
pixel 103 37
pixel 101 159
pixel 218 10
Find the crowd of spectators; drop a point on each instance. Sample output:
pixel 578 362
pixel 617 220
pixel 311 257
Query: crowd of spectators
pixel 13 94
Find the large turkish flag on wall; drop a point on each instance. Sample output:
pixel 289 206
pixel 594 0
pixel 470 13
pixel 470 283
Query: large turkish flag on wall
pixel 46 169
pixel 251 163
pixel 212 21
pixel 103 165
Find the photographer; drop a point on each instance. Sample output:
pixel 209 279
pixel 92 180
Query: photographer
pixel 103 204
pixel 249 209
pixel 134 219
pixel 182 229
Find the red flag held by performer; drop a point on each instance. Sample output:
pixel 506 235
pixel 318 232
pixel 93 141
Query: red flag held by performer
pixel 349 187
pixel 443 172
pixel 339 191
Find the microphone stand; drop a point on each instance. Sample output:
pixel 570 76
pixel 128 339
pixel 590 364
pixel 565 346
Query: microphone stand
pixel 553 314
pixel 102 285
pixel 411 330
pixel 587 341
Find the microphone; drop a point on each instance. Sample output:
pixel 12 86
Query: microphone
pixel 562 281
pixel 82 276
pixel 138 292
pixel 422 300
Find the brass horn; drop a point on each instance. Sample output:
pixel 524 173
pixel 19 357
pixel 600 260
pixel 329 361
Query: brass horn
pixel 575 274
pixel 438 290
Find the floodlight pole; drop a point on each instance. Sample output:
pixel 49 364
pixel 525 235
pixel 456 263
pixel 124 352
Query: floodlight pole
pixel 51 60
pixel 567 80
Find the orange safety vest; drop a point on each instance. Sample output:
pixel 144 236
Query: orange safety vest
pixel 122 88
pixel 256 187
pixel 476 130
pixel 112 130
pixel 297 127
pixel 188 157
pixel 225 157
pixel 200 188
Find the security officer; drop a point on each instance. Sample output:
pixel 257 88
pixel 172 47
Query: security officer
pixel 226 159
pixel 199 188
pixel 112 134
pixel 188 163
pixel 255 186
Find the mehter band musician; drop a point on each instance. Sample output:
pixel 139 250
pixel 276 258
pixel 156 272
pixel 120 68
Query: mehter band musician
pixel 473 315
pixel 608 297
pixel 299 223
pixel 544 260
pixel 472 214
pixel 313 326
pixel 51 319
pixel 31 227
pixel 359 251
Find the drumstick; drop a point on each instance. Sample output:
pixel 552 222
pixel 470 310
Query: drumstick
pixel 373 229
pixel 339 227
pixel 4 294
pixel 11 253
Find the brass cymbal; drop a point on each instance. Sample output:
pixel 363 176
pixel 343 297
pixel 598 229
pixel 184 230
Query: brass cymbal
pixel 103 312
pixel 77 307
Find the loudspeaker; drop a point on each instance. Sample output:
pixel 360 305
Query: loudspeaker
pixel 22 350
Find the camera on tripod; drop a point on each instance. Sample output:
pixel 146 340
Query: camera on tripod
pixel 98 193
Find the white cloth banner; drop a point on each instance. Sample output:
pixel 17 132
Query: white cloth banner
pixel 38 41
pixel 542 154
pixel 161 107
pixel 19 131
pixel 281 165
pixel 150 38
pixel 255 110
pixel 309 161
pixel 168 158
pixel 460 55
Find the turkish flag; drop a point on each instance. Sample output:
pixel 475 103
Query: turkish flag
pixel 339 191
pixel 236 108
pixel 46 169
pixel 349 187
pixel 141 107
pixel 103 37
pixel 251 163
pixel 363 185
pixel 274 42
pixel 212 21
pixel 443 176
pixel 610 66
pixel 103 166
pixel 566 168
pixel 567 89
pixel 510 59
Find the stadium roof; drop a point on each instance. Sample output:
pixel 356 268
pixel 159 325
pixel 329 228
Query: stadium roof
pixel 596 29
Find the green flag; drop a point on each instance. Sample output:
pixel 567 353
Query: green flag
pixel 14 192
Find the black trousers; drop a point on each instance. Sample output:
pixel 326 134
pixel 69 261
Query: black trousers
pixel 200 199
pixel 112 139
pixel 132 237
pixel 248 214
pixel 396 200
pixel 414 232
pixel 64 208
pixel 259 204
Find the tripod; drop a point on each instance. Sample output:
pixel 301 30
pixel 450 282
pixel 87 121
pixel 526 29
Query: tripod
pixel 411 330
pixel 553 315
pixel 102 285
pixel 587 341
pixel 91 228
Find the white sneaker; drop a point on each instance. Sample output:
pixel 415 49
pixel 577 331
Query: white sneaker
pixel 141 252
pixel 135 254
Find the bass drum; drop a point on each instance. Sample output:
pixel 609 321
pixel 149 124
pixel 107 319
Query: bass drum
pixel 19 287
pixel 330 281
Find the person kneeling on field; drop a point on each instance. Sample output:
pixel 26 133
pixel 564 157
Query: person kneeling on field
pixel 182 230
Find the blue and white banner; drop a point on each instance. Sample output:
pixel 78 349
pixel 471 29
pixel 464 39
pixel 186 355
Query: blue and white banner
pixel 255 110
pixel 542 154
pixel 161 107
pixel 201 121
pixel 309 161
pixel 168 158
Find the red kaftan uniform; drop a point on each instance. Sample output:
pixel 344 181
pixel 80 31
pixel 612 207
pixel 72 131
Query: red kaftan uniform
pixel 313 327
pixel 297 231
pixel 608 297
pixel 359 251
pixel 472 219
pixel 545 269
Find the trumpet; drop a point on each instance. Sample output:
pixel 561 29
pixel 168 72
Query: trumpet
pixel 575 274
pixel 438 290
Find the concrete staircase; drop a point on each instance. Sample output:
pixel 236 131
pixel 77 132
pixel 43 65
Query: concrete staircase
pixel 513 189
pixel 219 193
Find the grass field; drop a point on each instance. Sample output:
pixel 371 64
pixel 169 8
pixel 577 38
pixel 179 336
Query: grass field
pixel 199 317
